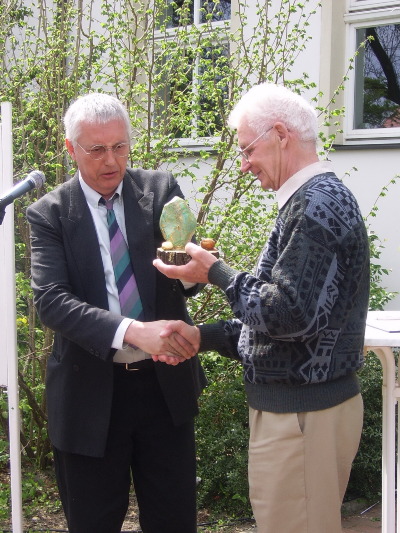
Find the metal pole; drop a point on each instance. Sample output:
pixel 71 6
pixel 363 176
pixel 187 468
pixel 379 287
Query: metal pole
pixel 9 358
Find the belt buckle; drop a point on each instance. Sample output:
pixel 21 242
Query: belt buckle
pixel 130 369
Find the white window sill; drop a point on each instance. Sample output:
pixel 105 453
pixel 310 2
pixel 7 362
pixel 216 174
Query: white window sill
pixel 200 144
pixel 373 136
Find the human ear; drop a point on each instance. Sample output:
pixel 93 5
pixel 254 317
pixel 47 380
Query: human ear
pixel 70 148
pixel 282 131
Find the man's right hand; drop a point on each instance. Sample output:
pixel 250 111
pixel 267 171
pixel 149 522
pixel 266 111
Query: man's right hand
pixel 179 340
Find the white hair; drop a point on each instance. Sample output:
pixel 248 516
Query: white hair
pixel 94 108
pixel 267 103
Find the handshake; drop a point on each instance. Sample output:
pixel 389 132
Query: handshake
pixel 173 341
pixel 168 341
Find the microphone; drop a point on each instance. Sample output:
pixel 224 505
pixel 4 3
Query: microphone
pixel 33 179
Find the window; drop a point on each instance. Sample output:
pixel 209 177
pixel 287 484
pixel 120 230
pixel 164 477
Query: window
pixel 180 12
pixel 377 78
pixel 193 53
pixel 373 95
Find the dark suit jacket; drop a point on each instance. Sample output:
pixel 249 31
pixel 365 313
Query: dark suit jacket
pixel 70 297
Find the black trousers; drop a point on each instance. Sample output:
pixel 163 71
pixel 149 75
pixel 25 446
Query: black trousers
pixel 144 447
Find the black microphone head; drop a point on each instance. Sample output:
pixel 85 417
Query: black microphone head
pixel 38 177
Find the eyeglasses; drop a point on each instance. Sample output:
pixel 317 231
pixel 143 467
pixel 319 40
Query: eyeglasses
pixel 98 151
pixel 242 152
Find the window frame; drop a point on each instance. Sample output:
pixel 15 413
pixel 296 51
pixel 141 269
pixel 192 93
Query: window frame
pixel 355 21
pixel 360 5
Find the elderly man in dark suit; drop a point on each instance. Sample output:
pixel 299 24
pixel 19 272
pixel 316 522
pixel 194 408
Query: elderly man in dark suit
pixel 114 415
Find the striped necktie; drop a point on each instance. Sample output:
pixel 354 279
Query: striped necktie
pixel 129 298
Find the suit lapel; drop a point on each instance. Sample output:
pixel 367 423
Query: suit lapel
pixel 140 234
pixel 81 232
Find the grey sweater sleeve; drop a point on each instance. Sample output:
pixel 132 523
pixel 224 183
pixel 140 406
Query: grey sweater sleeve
pixel 221 274
pixel 221 336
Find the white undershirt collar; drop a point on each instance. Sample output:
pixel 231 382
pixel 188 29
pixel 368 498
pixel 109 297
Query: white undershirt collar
pixel 300 178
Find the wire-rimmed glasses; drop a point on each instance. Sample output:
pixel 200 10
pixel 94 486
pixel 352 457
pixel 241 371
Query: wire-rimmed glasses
pixel 98 151
pixel 242 151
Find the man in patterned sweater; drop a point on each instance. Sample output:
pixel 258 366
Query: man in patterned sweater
pixel 300 319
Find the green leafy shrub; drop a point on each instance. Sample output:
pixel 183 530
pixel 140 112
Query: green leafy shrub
pixel 366 475
pixel 221 438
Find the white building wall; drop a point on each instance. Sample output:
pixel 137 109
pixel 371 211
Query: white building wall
pixel 375 167
pixel 325 52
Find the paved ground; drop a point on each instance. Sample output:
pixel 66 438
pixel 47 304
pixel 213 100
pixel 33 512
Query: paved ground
pixel 364 521
pixel 358 517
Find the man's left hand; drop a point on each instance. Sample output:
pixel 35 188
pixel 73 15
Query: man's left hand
pixel 196 271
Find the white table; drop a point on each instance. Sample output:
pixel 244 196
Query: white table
pixel 382 343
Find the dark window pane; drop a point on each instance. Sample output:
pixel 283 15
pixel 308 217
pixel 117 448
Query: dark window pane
pixel 173 106
pixel 177 13
pixel 215 11
pixel 377 89
pixel 213 89
pixel 192 102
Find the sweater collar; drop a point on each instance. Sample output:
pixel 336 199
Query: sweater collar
pixel 300 178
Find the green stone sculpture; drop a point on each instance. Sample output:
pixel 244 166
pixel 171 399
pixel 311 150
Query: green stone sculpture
pixel 177 223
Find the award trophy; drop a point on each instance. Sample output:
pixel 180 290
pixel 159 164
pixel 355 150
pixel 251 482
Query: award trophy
pixel 178 224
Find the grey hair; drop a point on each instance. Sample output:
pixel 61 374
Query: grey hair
pixel 94 108
pixel 267 103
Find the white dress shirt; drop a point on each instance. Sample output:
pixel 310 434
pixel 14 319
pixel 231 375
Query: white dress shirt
pixel 124 353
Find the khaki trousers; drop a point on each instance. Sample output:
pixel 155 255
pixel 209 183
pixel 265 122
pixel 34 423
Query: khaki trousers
pixel 299 467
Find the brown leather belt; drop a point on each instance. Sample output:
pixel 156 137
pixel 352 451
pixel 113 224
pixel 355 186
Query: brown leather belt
pixel 145 364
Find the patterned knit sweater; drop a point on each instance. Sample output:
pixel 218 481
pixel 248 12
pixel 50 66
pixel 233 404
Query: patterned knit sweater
pixel 300 319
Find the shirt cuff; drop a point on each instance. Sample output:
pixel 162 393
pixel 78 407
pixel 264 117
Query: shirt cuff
pixel 118 341
pixel 187 285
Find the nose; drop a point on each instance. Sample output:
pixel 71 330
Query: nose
pixel 109 156
pixel 244 165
